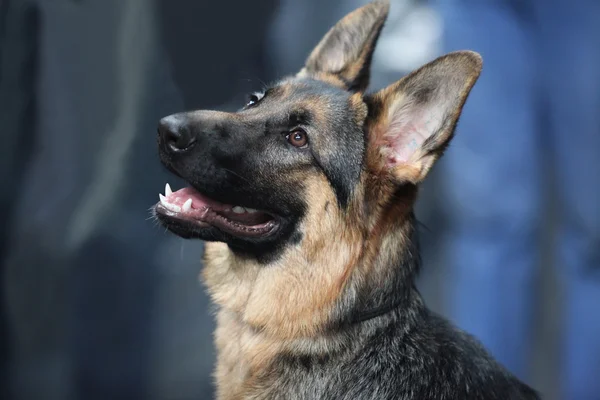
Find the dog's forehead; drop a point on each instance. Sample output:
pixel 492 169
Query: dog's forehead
pixel 308 85
pixel 317 103
pixel 318 97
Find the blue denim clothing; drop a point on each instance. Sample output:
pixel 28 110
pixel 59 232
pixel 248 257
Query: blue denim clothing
pixel 541 59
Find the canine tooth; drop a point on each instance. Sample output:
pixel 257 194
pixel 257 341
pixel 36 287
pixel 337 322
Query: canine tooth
pixel 187 205
pixel 251 210
pixel 168 190
pixel 238 210
pixel 167 205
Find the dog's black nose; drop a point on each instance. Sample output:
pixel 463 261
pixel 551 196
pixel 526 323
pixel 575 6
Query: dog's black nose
pixel 175 134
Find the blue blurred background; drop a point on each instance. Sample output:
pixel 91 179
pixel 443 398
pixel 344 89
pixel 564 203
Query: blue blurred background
pixel 100 303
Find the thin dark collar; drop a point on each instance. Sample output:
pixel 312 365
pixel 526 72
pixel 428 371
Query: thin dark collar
pixel 376 311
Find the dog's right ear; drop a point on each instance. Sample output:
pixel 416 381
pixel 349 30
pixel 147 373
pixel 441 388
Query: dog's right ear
pixel 345 52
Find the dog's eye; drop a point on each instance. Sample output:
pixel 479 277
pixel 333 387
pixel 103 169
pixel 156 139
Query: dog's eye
pixel 297 138
pixel 254 98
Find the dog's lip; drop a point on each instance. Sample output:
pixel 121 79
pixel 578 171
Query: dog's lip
pixel 195 208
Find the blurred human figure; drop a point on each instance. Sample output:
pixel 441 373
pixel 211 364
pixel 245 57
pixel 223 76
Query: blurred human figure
pixel 539 55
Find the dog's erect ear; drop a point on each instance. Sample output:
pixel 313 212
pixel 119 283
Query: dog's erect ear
pixel 412 121
pixel 346 50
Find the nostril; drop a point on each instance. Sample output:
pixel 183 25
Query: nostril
pixel 174 139
pixel 180 140
pixel 175 136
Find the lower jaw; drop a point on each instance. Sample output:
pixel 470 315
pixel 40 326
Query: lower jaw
pixel 188 227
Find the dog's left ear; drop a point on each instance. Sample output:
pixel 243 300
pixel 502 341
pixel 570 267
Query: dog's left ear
pixel 345 52
pixel 412 121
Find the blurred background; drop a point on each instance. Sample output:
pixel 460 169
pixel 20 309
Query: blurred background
pixel 100 303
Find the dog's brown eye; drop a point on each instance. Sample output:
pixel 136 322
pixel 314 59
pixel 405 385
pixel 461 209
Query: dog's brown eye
pixel 298 138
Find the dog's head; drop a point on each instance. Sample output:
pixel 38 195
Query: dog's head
pixel 313 148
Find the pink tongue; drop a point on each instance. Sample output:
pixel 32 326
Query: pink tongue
pixel 198 200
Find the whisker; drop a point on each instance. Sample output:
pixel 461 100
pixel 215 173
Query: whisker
pixel 238 175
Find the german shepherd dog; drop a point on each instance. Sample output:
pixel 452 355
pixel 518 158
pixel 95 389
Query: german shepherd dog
pixel 305 197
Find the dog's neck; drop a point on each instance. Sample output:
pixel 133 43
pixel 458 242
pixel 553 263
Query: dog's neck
pixel 304 299
pixel 385 284
pixel 298 307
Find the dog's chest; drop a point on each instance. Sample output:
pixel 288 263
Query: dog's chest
pixel 249 366
pixel 243 359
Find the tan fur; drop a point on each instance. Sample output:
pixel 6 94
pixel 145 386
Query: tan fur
pixel 360 108
pixel 301 283
pixel 267 308
pixel 332 79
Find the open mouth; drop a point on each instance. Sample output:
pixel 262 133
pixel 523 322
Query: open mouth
pixel 193 208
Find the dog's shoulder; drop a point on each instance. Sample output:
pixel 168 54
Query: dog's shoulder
pixel 456 363
pixel 432 361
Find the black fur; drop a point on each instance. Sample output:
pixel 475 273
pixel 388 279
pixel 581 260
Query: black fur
pixel 408 354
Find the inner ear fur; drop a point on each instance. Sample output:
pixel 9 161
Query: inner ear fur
pixel 413 120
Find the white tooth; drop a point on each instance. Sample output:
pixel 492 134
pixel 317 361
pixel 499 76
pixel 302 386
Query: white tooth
pixel 168 190
pixel 167 205
pixel 187 205
pixel 238 210
pixel 251 210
